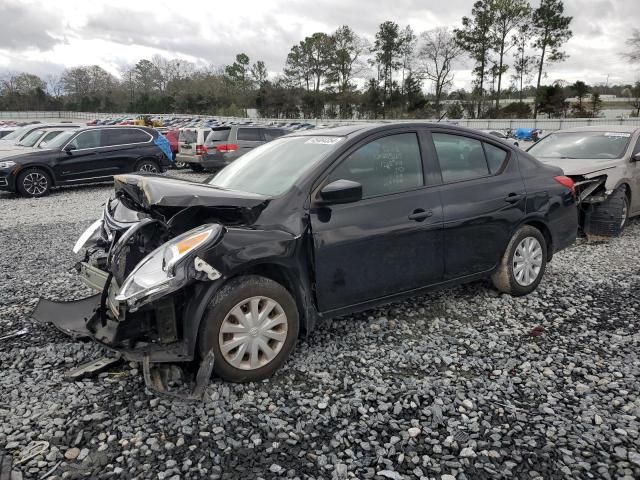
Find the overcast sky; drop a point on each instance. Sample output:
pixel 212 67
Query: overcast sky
pixel 45 37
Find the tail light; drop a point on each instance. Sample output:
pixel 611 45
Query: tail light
pixel 567 182
pixel 227 147
pixel 201 150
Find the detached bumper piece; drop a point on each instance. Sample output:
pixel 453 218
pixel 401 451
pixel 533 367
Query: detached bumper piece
pixel 158 376
pixel 68 317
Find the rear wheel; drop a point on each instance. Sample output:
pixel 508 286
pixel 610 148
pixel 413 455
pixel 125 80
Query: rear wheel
pixel 608 219
pixel 180 165
pixel 33 182
pixel 523 263
pixel 148 166
pixel 252 326
pixel 196 167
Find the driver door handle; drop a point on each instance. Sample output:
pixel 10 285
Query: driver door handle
pixel 420 214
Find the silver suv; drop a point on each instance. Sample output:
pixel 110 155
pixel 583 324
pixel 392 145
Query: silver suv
pixel 215 148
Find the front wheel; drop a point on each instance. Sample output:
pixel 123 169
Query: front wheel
pixel 608 219
pixel 523 263
pixel 252 327
pixel 33 182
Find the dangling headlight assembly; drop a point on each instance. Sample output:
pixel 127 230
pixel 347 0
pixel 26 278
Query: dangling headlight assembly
pixel 161 272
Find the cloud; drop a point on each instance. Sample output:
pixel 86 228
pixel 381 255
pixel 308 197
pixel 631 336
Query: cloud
pixel 36 33
pixel 25 27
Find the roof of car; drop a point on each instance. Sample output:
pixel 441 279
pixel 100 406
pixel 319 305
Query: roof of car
pixel 347 130
pixel 116 127
pixel 603 128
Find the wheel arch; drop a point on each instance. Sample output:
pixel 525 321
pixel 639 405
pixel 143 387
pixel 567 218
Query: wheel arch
pixel 286 277
pixel 546 233
pixel 204 292
pixel 39 166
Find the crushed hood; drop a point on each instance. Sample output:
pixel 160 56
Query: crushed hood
pixel 151 191
pixel 580 166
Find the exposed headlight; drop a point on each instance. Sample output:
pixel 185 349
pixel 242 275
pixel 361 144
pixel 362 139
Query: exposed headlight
pixel 88 234
pixel 7 164
pixel 156 275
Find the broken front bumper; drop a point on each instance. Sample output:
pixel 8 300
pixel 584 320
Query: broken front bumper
pixel 150 331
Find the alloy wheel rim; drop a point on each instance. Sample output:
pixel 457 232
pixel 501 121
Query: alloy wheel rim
pixel 253 333
pixel 147 167
pixel 35 183
pixel 527 261
pixel 624 214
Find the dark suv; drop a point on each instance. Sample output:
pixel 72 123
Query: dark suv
pixel 86 155
pixel 223 145
pixel 312 225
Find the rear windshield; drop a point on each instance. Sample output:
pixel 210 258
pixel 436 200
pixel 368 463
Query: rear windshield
pixel 188 136
pixel 218 135
pixel 582 145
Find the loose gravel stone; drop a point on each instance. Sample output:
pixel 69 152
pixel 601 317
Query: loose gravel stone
pixel 464 383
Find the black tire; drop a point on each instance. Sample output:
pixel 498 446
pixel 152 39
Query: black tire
pixel 231 295
pixel 148 166
pixel 196 167
pixel 504 278
pixel 608 219
pixel 33 182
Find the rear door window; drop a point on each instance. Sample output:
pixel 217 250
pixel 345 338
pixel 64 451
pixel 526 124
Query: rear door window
pixel 495 157
pixel 461 158
pixel 123 136
pixel 250 135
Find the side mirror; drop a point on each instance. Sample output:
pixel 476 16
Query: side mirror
pixel 341 191
pixel 69 148
pixel 636 157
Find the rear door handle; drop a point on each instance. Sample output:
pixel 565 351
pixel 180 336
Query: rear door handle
pixel 513 198
pixel 420 214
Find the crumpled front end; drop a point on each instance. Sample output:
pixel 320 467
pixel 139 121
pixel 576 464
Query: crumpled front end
pixel 145 273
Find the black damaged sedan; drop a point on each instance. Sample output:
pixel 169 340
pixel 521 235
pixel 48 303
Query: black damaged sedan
pixel 312 225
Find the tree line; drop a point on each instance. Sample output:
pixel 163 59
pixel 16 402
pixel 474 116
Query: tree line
pixel 344 75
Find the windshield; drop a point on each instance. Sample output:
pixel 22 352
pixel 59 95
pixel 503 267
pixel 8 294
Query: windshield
pixel 59 141
pixel 582 145
pixel 31 139
pixel 16 134
pixel 274 167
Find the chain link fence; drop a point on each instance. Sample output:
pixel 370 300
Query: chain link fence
pixel 498 124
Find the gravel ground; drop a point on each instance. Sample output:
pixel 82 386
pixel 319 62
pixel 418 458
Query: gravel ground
pixel 462 383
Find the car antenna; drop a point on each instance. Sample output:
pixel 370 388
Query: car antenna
pixel 441 117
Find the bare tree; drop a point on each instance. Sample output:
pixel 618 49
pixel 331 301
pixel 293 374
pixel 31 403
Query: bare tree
pixel 438 52
pixel 54 85
pixel 633 42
